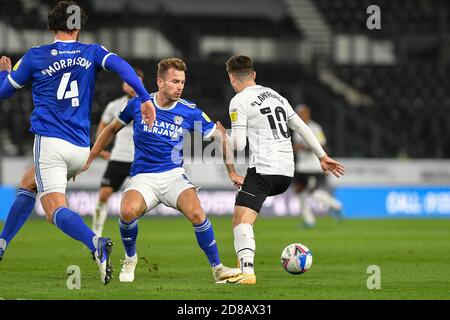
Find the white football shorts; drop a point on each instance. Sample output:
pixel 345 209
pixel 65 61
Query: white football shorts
pixel 161 187
pixel 56 162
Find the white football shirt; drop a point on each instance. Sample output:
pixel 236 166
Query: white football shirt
pixel 264 113
pixel 307 161
pixel 123 149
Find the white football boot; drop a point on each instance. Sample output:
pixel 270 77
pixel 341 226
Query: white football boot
pixel 103 258
pixel 220 272
pixel 128 266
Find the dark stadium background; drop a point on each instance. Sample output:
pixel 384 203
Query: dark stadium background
pixel 381 95
pixel 408 101
pixel 378 93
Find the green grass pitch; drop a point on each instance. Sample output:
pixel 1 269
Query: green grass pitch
pixel 413 255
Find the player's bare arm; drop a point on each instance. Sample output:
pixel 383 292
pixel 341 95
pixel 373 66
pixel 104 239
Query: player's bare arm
pixel 227 152
pixel 102 141
pixel 102 125
pixel 328 164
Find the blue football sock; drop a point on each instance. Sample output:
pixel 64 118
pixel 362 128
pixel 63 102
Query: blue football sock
pixel 18 214
pixel 72 225
pixel 129 233
pixel 205 238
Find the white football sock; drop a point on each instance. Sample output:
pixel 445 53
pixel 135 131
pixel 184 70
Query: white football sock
pixel 133 257
pixel 305 209
pixel 99 218
pixel 245 245
pixel 325 197
pixel 3 244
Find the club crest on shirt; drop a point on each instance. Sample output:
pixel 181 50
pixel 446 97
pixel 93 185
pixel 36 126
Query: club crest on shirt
pixel 178 120
pixel 233 116
pixel 54 52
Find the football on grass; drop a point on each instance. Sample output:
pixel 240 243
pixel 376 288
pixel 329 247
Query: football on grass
pixel 296 258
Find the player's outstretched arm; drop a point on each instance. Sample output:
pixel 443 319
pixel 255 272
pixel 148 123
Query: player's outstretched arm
pixel 128 75
pixel 327 163
pixel 104 153
pixel 6 88
pixel 221 136
pixel 102 141
pixel 330 165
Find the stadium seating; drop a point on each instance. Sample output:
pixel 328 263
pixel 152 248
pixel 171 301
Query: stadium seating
pixel 398 17
pixel 408 117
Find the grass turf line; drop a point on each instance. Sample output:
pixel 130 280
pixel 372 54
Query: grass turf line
pixel 413 256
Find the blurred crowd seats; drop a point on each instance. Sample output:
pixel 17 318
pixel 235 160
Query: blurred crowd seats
pixel 408 118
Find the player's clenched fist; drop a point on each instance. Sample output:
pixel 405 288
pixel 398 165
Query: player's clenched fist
pixel 148 113
pixel 5 64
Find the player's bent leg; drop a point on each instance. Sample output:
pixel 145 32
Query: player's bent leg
pixel 101 210
pixel 28 181
pixel 301 182
pixel 249 201
pixel 243 215
pixel 306 213
pixel 55 207
pixel 52 201
pixel 189 204
pixel 105 193
pixel 244 243
pixel 325 197
pixel 20 210
pixel 128 267
pixel 132 207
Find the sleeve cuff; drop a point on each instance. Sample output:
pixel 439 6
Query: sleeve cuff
pixel 145 98
pixel 320 155
pixel 104 60
pixel 13 83
pixel 210 132
pixel 121 121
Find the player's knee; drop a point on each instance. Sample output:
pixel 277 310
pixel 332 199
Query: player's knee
pixel 235 221
pixel 28 182
pixel 197 215
pixel 128 212
pixel 243 217
pixel 104 194
pixel 298 188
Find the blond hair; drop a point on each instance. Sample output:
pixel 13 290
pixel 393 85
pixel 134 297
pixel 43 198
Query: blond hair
pixel 170 63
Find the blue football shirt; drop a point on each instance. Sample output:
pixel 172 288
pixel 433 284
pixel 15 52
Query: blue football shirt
pixel 160 148
pixel 63 78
